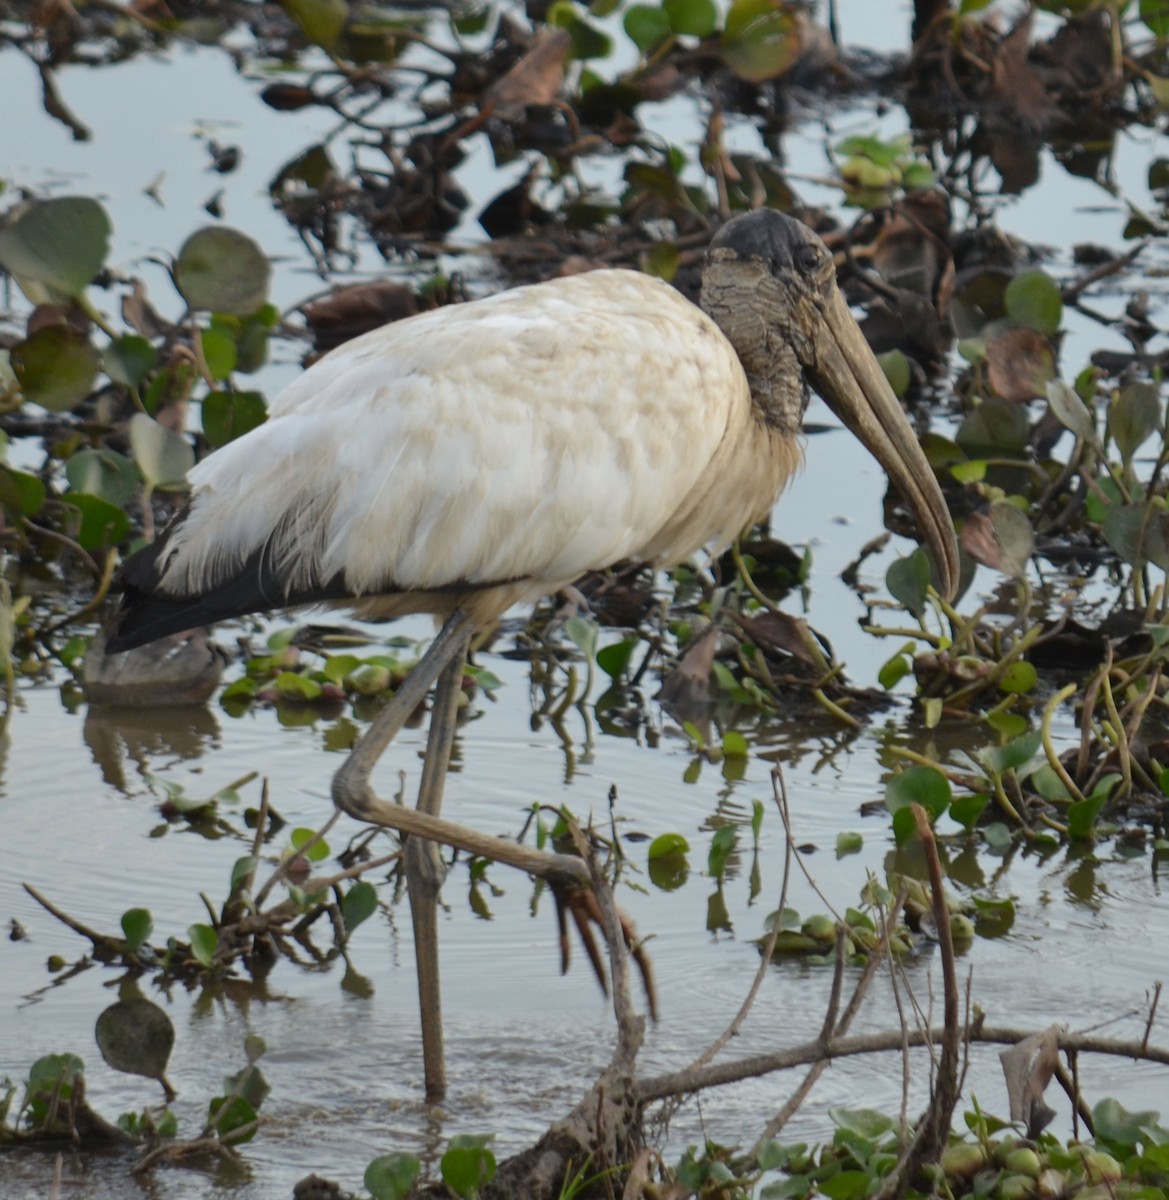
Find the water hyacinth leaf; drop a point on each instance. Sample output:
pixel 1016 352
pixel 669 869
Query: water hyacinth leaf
pixel 919 785
pixel 756 818
pixel 734 744
pixel 163 456
pixel 392 1176
pixel 668 845
pixel 995 429
pixel 223 271
pixel 1155 15
pixel 59 243
pixel 1020 677
pixel 20 492
pixel 321 21
pixel 359 904
pixel 228 1117
pixel 204 942
pixel 760 39
pixel 584 634
pixel 219 353
pixel 468 1164
pixel 101 523
pixel 54 1074
pixel 55 367
pixel 137 925
pixel 135 1036
pixel 1016 753
pixel 1000 537
pixel 1048 784
pixel 1070 410
pixel 1138 534
pixel 250 1082
pixel 866 1123
pixel 663 261
pixel 1082 817
pixel 646 25
pixel 894 669
pixel 291 686
pixel 695 18
pixel 896 368
pixel 586 40
pixel 104 473
pixel 1133 417
pixel 1033 299
pixel 966 810
pixel 908 581
pixel 300 838
pixel 848 843
pixel 128 360
pixel 993 916
pixel 614 659
pixel 1113 1122
pixel 242 870
pixel 721 847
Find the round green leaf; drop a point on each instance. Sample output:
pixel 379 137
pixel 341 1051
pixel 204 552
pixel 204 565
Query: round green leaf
pixel 137 925
pixel 908 581
pixel 102 523
pixel 668 845
pixel 896 368
pixel 695 18
pixel 104 473
pixel 135 1036
pixel 647 25
pixel 1033 299
pixel 204 941
pixel 60 243
pixel 1019 677
pixel 467 1165
pixel 760 39
pixel 20 492
pixel 391 1177
pixel 163 457
pixel 128 360
pixel 56 367
pixel 228 415
pixel 848 843
pixel 223 271
pixel 1133 417
pixel 301 837
pixel 918 785
pixel 359 904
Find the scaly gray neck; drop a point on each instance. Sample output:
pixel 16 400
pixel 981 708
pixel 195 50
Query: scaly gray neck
pixel 753 311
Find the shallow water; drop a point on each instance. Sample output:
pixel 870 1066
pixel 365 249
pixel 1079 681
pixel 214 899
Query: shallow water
pixel 80 819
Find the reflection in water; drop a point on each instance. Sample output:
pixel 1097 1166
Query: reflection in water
pixel 142 736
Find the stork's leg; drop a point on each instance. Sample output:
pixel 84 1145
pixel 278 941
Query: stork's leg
pixel 353 794
pixel 425 873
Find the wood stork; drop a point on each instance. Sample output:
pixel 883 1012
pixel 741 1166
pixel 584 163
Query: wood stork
pixel 469 459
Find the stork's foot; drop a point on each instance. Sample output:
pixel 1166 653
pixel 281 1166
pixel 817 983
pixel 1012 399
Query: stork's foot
pixel 581 903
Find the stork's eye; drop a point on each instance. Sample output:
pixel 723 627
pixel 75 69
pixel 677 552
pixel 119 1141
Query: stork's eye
pixel 808 258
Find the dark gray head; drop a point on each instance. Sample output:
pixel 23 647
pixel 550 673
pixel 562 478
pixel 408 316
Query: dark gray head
pixel 770 284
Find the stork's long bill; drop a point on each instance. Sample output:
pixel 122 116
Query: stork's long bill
pixel 848 377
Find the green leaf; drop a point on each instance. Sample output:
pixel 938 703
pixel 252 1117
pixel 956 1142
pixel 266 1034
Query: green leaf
pixel 896 368
pixel 229 1116
pixel 1070 410
pixel 204 941
pixel 359 904
pixel 1112 1121
pixel 242 869
pixel 584 633
pixel 218 352
pixel 60 243
pixel 1082 817
pixel 1133 417
pixel 104 473
pixel 668 845
pixel 734 744
pixel 760 39
pixel 1016 753
pixel 223 271
pixel 136 1036
pixel 301 836
pixel 137 925
pixel 695 18
pixel 721 846
pixel 845 1185
pixel 756 818
pixel 919 785
pixel 967 809
pixel 293 686
pixel 102 523
pixel 646 25
pixel 1155 15
pixel 1032 298
pixel 867 1123
pixel 908 581
pixel 848 843
pixel 392 1176
pixel 128 360
pixel 1018 678
pixel 467 1165
pixel 163 456
pixel 55 1073
pixel 614 660
pixel 55 367
pixel 21 493
pixel 321 21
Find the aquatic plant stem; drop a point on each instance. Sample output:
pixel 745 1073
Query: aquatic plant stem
pixel 1049 746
